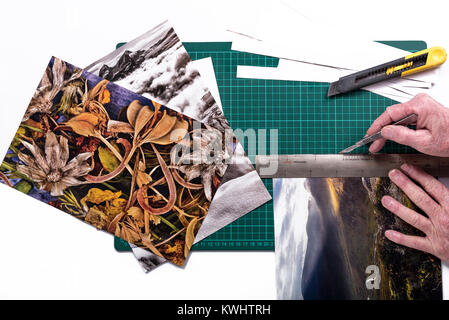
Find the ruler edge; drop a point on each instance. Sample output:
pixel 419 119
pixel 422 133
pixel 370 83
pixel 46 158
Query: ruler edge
pixel 442 163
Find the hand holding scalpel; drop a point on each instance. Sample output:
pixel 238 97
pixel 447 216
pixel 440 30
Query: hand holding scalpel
pixel 408 120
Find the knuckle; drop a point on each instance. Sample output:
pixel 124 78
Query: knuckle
pixel 414 220
pixel 429 203
pixel 444 222
pixel 422 96
pixel 423 200
pixel 390 110
pixel 402 135
pixel 375 125
pixel 421 101
pixel 414 243
pixel 431 186
pixel 438 189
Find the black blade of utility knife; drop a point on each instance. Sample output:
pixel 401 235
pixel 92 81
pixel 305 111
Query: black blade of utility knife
pixel 373 75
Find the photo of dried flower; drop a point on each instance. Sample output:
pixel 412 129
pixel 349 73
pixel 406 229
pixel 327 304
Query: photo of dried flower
pixel 117 161
pixel 157 66
pixel 330 243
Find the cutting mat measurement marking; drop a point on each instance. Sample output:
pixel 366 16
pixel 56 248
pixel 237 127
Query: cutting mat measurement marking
pixel 307 122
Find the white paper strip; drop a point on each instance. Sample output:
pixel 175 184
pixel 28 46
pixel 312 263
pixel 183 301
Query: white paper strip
pixel 283 74
pixel 333 60
pixel 296 37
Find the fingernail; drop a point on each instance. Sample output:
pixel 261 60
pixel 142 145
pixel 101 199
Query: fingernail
pixel 390 234
pixel 388 133
pixel 393 174
pixel 374 147
pixel 387 202
pixel 405 167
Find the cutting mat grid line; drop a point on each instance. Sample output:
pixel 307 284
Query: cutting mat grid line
pixel 307 123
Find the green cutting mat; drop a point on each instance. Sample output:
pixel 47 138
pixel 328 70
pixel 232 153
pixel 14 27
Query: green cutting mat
pixel 307 122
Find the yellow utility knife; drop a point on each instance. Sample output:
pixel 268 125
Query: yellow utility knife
pixel 413 63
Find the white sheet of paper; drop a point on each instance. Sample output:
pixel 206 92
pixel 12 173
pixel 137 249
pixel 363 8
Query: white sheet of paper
pixel 299 38
pixel 400 89
pixel 314 45
pixel 318 53
pixel 439 90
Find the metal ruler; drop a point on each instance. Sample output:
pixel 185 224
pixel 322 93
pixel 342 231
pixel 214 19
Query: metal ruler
pixel 345 165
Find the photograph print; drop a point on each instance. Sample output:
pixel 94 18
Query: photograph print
pixel 157 66
pixel 330 243
pixel 117 161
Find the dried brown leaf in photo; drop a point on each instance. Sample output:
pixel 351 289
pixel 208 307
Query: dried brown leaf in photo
pixel 75 152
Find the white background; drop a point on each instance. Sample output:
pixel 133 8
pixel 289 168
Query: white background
pixel 45 253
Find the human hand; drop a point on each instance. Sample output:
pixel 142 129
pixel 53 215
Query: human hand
pixel 432 129
pixel 435 226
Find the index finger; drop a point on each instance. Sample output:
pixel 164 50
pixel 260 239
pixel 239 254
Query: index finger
pixel 414 242
pixel 393 113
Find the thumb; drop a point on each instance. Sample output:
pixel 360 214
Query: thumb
pixel 416 139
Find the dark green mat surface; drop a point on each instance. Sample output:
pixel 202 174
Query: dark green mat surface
pixel 307 122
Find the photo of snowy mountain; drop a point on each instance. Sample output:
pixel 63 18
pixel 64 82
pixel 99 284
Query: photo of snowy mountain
pixel 157 66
